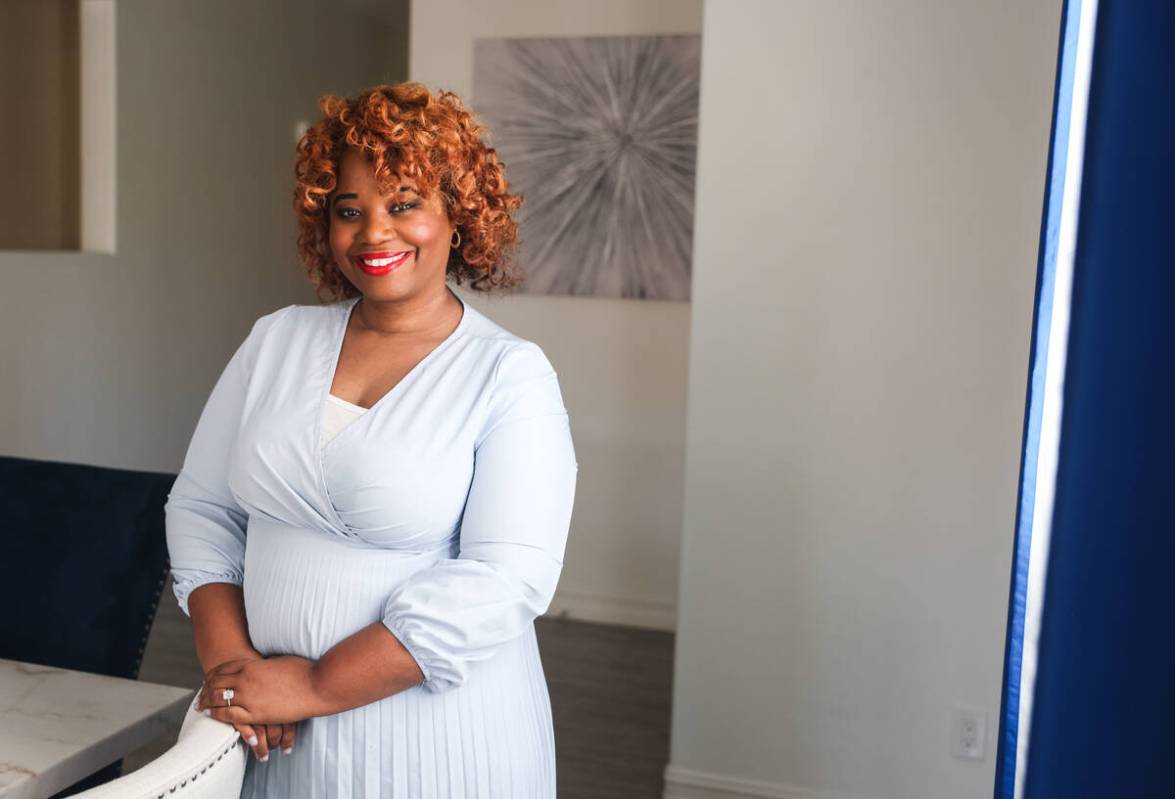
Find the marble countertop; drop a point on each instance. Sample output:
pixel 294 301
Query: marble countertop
pixel 58 726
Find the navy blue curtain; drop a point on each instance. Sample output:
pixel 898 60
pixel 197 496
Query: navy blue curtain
pixel 1102 696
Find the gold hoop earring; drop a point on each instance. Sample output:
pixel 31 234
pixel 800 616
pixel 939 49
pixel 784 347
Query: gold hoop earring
pixel 456 243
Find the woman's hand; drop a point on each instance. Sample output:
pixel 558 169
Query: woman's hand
pixel 269 691
pixel 261 738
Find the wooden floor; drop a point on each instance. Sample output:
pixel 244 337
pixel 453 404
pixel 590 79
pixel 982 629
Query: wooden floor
pixel 610 694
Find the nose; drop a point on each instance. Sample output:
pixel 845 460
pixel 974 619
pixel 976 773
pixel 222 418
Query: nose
pixel 376 229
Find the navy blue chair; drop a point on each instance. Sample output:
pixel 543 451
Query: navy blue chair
pixel 85 555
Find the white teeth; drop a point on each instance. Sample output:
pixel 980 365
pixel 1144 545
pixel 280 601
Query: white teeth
pixel 383 261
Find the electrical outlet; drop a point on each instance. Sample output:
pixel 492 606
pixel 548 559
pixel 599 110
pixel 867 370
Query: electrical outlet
pixel 968 733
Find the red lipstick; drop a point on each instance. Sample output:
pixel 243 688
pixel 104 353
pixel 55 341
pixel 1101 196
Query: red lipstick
pixel 381 262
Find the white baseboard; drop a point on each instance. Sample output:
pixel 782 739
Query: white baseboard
pixel 627 611
pixel 681 783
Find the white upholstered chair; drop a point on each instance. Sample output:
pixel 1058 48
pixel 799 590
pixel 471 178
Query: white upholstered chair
pixel 207 762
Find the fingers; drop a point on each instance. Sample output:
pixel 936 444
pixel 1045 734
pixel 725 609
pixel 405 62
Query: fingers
pixel 248 735
pixel 212 692
pixel 274 734
pixel 262 747
pixel 287 738
pixel 262 738
pixel 233 715
pixel 255 735
pixel 212 695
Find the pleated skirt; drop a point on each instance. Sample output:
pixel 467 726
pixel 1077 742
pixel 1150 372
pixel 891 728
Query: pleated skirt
pixel 489 738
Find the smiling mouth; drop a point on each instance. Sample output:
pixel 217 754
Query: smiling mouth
pixel 380 263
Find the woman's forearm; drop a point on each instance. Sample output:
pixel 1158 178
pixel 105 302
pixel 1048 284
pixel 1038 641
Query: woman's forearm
pixel 364 668
pixel 368 666
pixel 219 624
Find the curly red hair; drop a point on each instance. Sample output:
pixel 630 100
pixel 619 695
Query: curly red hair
pixel 434 139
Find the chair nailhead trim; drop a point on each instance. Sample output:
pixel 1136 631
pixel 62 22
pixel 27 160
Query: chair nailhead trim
pixel 194 776
pixel 151 618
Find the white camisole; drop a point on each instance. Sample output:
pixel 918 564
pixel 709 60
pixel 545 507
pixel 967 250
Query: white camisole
pixel 337 414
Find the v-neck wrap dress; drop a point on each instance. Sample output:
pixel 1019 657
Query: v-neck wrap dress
pixel 442 511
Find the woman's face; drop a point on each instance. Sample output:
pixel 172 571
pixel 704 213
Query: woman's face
pixel 390 246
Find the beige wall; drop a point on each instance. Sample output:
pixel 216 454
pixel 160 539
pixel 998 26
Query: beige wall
pixel 109 359
pixel 854 356
pixel 621 363
pixel 869 197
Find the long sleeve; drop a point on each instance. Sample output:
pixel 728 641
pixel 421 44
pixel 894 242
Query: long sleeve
pixel 205 525
pixel 513 531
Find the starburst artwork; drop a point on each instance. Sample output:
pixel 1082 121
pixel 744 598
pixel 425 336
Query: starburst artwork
pixel 599 135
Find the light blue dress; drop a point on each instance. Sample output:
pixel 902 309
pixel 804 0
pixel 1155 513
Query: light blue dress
pixel 442 512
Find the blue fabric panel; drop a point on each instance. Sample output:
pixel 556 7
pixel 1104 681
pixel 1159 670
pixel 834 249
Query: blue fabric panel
pixel 1104 710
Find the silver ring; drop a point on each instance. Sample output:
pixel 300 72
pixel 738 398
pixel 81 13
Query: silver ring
pixel 228 695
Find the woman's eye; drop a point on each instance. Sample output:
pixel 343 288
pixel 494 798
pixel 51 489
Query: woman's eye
pixel 352 213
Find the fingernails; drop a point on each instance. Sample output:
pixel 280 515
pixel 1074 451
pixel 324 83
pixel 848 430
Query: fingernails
pixel 287 750
pixel 253 741
pixel 207 711
pixel 263 759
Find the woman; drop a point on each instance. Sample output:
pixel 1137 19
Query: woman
pixel 375 503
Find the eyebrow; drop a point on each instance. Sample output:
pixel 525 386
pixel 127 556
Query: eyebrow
pixel 353 196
